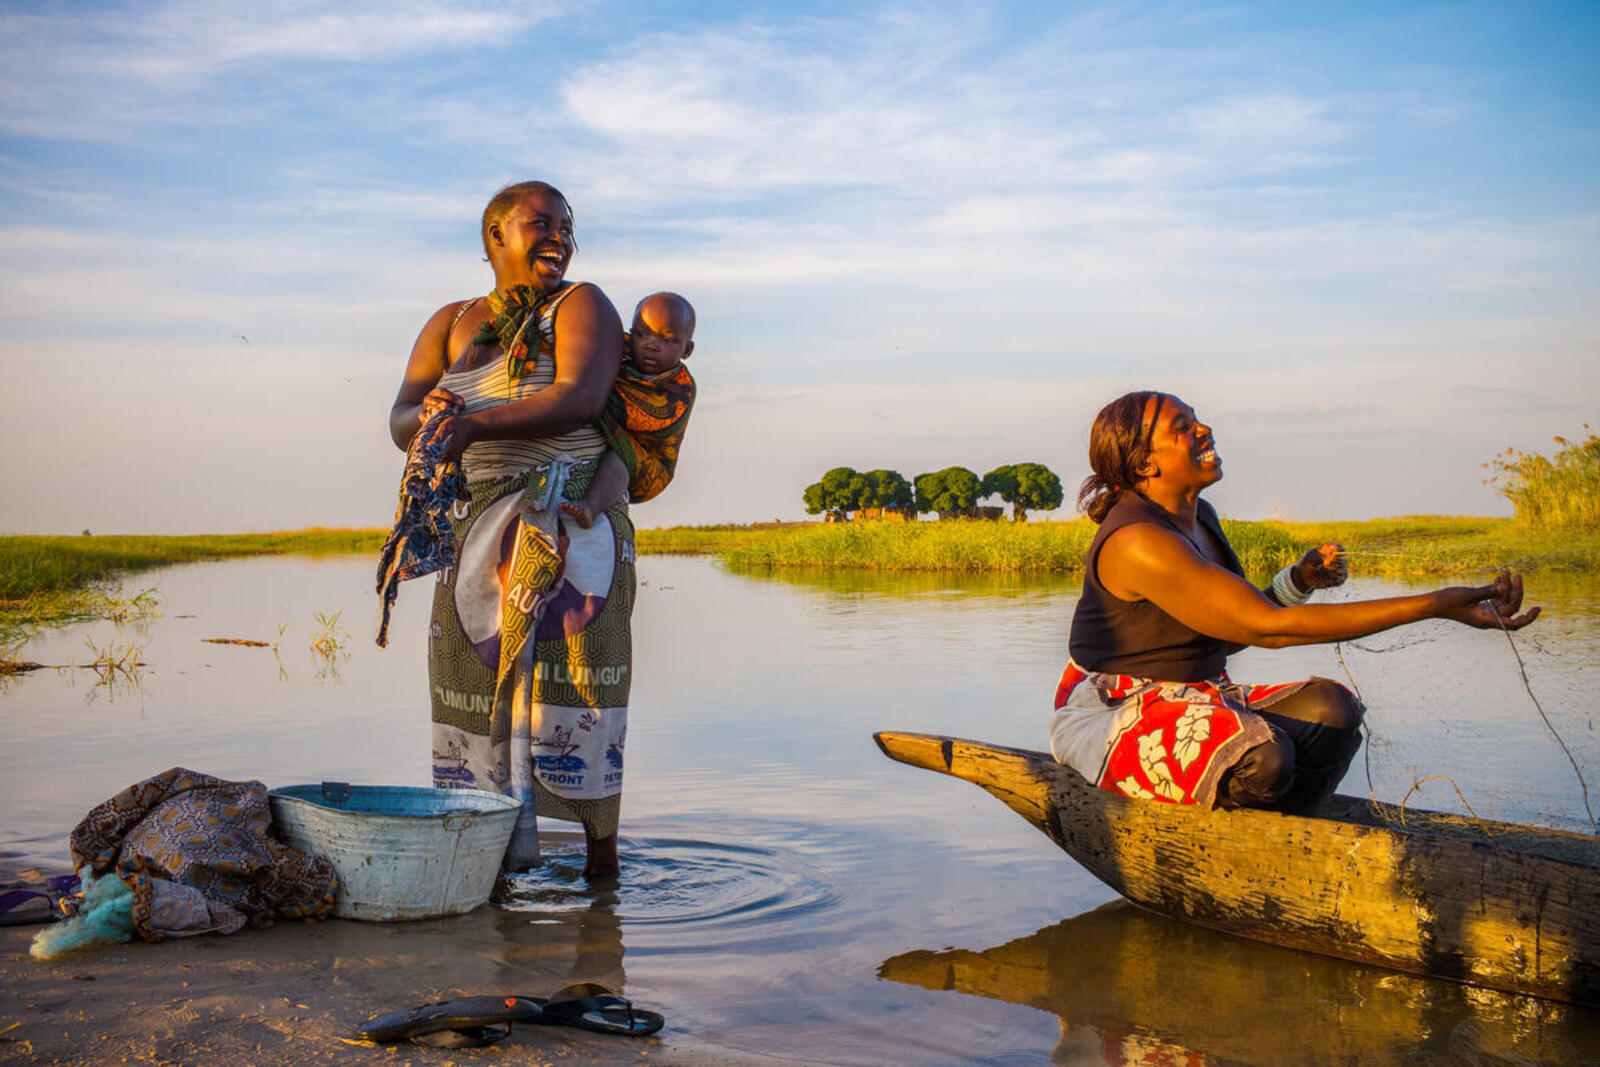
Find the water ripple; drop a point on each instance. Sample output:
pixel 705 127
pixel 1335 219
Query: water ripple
pixel 690 892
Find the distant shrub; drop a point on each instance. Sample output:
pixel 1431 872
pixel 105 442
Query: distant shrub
pixel 1562 492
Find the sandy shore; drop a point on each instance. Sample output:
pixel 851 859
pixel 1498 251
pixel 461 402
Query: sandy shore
pixel 294 993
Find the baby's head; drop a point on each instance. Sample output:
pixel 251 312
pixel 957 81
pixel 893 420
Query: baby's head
pixel 663 332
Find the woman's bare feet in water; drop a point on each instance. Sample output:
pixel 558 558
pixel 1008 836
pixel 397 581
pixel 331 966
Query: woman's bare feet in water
pixel 579 509
pixel 601 861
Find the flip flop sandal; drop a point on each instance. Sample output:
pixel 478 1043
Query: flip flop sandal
pixel 591 1006
pixel 462 1015
pixel 464 1037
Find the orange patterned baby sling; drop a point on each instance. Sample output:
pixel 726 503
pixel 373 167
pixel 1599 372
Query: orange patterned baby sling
pixel 644 423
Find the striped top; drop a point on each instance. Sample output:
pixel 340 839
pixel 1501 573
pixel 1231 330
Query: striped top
pixel 491 385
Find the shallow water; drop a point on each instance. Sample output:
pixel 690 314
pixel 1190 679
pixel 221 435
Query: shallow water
pixel 788 891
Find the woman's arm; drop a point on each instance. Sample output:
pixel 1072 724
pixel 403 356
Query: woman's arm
pixel 588 354
pixel 417 398
pixel 1147 562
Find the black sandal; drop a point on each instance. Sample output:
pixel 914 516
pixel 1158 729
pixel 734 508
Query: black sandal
pixel 472 1022
pixel 458 1016
pixel 591 1006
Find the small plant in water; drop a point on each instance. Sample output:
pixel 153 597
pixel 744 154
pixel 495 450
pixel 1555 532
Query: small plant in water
pixel 113 663
pixel 330 640
pixel 137 608
pixel 283 628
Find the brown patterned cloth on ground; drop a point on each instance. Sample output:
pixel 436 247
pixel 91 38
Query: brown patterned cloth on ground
pixel 194 850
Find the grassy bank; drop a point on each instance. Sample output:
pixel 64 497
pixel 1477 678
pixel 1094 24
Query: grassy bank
pixel 53 579
pixel 705 540
pixel 1447 545
pixel 1410 545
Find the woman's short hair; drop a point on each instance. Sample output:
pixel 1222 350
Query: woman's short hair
pixel 1119 445
pixel 501 203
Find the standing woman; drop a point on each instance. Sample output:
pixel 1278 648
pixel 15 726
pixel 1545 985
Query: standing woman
pixel 1145 707
pixel 530 649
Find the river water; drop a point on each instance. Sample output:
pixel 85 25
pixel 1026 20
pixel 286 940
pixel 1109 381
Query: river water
pixel 791 895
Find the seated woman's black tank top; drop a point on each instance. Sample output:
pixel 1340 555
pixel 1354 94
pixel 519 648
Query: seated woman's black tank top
pixel 1134 636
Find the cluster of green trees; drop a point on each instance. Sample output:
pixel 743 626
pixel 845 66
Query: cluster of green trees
pixel 952 491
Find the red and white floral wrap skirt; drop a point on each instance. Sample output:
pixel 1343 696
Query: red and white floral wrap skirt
pixel 1167 741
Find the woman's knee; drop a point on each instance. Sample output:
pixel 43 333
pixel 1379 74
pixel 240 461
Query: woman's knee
pixel 1324 702
pixel 1262 775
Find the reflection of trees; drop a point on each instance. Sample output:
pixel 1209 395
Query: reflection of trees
pixel 1126 982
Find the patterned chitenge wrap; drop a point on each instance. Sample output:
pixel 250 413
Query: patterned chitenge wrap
pixel 1168 741
pixel 194 850
pixel 644 423
pixel 530 652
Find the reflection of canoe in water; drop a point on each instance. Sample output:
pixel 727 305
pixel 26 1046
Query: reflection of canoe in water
pixel 1494 904
pixel 1134 987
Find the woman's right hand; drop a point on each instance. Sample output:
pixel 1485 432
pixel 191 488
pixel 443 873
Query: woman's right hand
pixel 438 399
pixel 1489 607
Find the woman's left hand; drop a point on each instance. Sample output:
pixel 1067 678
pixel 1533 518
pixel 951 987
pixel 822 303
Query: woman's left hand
pixel 1323 568
pixel 455 434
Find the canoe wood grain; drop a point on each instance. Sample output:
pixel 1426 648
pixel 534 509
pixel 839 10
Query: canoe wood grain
pixel 1498 905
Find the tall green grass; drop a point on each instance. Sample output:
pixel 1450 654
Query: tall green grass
pixel 1557 493
pixel 1011 548
pixel 1411 545
pixel 699 540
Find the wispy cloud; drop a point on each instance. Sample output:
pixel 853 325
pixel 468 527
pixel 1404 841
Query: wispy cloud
pixel 86 71
pixel 915 238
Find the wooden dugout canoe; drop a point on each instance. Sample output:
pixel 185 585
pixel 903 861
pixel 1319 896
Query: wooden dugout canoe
pixel 1493 904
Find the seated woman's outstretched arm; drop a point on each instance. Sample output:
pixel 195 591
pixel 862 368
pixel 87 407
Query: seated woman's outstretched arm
pixel 1148 562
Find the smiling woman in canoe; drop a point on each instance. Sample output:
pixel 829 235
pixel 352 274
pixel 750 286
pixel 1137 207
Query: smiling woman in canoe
pixel 1145 707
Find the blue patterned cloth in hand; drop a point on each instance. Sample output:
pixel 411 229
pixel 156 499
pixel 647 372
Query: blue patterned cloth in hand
pixel 421 541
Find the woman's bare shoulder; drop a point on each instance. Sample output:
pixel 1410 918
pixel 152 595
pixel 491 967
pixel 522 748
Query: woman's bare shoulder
pixel 1141 538
pixel 585 303
pixel 450 313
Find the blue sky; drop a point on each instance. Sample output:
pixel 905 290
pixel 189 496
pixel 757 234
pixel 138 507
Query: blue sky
pixel 1362 239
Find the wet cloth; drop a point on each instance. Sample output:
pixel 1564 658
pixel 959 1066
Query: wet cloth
pixel 530 652
pixel 1168 741
pixel 421 541
pixel 195 853
pixel 644 423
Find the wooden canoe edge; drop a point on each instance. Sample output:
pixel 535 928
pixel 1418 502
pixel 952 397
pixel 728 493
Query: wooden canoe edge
pixel 1012 775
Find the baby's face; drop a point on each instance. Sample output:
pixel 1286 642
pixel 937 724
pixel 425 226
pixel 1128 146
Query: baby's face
pixel 662 337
